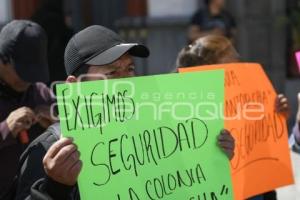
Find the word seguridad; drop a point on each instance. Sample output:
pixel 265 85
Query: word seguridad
pixel 149 147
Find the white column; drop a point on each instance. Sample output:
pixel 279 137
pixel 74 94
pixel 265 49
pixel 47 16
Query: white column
pixel 5 11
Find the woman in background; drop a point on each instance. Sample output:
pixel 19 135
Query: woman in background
pixel 216 49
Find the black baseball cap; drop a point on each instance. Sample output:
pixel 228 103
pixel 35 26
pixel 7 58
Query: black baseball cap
pixel 97 45
pixel 25 44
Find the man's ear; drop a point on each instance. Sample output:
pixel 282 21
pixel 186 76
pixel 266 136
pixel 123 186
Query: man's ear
pixel 71 79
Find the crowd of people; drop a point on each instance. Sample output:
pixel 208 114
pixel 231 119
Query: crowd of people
pixel 36 162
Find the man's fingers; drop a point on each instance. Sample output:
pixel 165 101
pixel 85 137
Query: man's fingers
pixel 280 96
pixel 226 145
pixel 62 163
pixel 225 136
pixel 27 111
pixel 64 153
pixel 71 160
pixel 224 132
pixel 230 154
pixel 25 116
pixel 75 169
pixel 54 149
pixel 283 108
pixel 18 128
pixel 27 126
pixel 283 100
pixel 279 99
pixel 30 115
pixel 22 125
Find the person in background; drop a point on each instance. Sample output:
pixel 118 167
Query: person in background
pixel 216 49
pixel 212 19
pixel 51 17
pixel 24 100
pixel 56 161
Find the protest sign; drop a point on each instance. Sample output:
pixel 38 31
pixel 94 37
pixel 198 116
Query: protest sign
pixel 148 137
pixel 262 159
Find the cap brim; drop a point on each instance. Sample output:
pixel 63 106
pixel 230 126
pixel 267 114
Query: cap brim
pixel 117 51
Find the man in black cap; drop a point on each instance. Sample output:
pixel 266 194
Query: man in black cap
pixel 24 99
pixel 94 52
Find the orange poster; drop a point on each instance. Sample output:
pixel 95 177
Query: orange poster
pixel 262 160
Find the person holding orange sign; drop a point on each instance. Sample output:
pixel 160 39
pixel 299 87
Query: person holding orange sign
pixel 214 49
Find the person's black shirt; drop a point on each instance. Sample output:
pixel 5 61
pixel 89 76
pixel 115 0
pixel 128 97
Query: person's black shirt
pixel 207 22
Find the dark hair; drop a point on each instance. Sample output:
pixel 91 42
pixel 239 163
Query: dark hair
pixel 187 59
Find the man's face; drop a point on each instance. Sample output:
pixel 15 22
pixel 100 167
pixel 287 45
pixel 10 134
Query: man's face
pixel 121 68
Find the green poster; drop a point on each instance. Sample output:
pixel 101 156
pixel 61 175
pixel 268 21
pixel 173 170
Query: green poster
pixel 146 138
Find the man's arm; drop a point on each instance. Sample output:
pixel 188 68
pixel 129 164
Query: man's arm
pixel 34 182
pixel 31 170
pixel 47 189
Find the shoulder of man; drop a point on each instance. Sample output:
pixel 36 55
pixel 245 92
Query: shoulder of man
pixel 43 187
pixel 45 140
pixel 30 163
pixel 33 182
pixel 40 145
